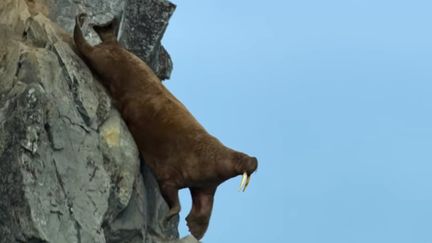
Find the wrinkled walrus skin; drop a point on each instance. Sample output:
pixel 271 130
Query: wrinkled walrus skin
pixel 175 146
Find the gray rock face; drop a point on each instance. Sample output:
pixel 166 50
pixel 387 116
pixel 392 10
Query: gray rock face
pixel 143 23
pixel 147 20
pixel 69 169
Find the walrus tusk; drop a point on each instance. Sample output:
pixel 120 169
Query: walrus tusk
pixel 244 182
pixel 247 182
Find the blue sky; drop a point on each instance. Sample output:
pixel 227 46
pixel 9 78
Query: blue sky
pixel 335 100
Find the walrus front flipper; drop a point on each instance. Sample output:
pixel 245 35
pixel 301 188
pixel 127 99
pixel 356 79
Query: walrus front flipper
pixel 199 216
pixel 170 194
pixel 107 32
pixel 83 46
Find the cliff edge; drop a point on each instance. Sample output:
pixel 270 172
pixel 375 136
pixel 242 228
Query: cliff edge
pixel 69 169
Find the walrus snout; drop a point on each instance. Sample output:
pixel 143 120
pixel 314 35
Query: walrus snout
pixel 248 166
pixel 253 165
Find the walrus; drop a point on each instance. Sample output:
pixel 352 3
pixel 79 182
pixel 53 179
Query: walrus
pixel 177 149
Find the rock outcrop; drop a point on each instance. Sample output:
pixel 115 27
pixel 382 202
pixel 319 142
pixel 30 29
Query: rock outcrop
pixel 69 169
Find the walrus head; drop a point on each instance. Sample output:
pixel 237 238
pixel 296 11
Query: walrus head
pixel 245 166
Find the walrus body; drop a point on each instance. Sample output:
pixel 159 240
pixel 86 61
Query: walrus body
pixel 175 146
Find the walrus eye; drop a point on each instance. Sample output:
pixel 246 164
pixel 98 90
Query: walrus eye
pixel 244 182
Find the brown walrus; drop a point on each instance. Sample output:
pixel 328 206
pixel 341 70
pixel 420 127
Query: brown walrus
pixel 175 146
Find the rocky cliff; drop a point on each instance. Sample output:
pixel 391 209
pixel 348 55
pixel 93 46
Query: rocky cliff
pixel 69 169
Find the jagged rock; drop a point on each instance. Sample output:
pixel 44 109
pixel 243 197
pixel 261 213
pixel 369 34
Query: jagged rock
pixel 148 20
pixel 69 169
pixel 143 23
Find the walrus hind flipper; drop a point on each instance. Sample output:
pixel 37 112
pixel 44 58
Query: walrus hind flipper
pixel 79 19
pixel 81 43
pixel 107 31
